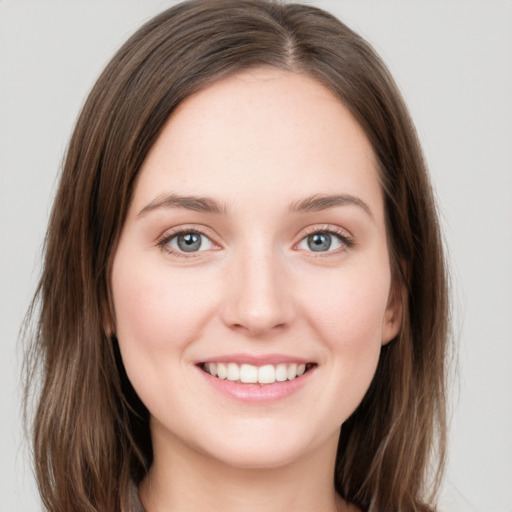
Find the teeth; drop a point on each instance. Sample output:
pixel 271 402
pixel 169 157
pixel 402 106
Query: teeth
pixel 250 374
pixel 222 371
pixel 291 372
pixel 281 373
pixel 266 374
pixel 233 372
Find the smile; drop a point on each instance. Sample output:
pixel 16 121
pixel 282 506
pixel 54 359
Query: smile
pixel 251 374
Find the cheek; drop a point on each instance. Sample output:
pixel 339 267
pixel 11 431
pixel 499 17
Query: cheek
pixel 349 314
pixel 158 315
pixel 352 304
pixel 156 309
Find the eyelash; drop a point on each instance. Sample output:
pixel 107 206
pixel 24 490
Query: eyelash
pixel 163 242
pixel 345 238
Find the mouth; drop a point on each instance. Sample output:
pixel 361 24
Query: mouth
pixel 252 374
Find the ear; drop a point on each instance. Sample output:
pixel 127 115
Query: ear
pixel 108 328
pixel 394 312
pixel 108 323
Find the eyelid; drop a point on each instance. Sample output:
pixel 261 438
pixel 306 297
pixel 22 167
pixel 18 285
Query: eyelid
pixel 345 236
pixel 164 239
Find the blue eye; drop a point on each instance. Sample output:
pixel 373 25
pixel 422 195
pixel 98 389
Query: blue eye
pixel 321 241
pixel 189 241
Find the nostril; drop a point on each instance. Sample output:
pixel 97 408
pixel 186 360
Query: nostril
pixel 257 300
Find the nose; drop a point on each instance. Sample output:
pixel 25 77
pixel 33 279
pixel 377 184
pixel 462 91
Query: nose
pixel 258 299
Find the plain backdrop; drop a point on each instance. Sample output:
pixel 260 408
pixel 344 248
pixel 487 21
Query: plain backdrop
pixel 453 62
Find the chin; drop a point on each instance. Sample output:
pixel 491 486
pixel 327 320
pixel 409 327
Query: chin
pixel 268 450
pixel 257 457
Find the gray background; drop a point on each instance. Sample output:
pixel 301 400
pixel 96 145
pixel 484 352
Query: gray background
pixel 453 62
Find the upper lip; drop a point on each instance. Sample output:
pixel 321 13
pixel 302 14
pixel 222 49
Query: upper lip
pixel 256 360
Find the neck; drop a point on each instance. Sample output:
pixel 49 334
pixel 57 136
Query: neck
pixel 186 480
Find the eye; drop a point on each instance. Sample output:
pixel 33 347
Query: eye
pixel 187 242
pixel 323 241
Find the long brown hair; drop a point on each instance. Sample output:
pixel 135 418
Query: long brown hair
pixel 90 430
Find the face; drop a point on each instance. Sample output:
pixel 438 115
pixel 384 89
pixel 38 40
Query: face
pixel 252 281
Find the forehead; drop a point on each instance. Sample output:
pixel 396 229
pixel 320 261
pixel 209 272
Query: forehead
pixel 262 133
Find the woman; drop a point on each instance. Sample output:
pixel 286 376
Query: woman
pixel 243 301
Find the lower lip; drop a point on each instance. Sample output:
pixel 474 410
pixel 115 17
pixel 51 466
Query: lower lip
pixel 257 392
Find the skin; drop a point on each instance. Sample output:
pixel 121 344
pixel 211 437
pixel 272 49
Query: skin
pixel 257 143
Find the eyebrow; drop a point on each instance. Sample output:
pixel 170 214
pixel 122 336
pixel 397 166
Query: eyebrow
pixel 314 203
pixel 197 204
pixel 319 202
